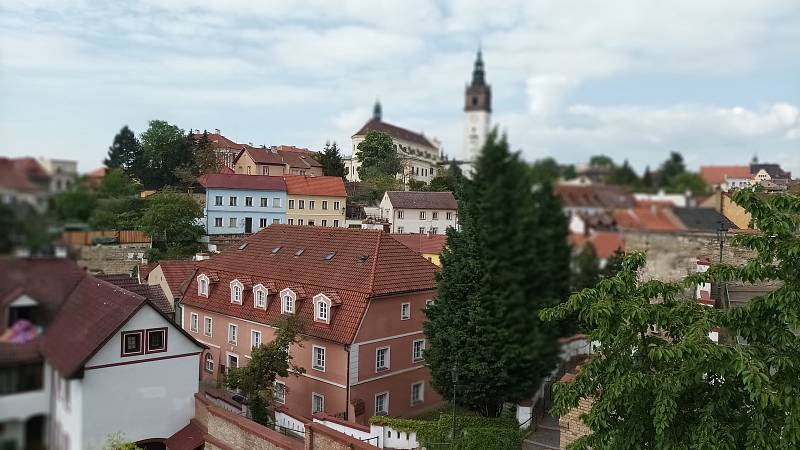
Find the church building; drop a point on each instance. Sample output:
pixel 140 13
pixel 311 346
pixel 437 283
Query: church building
pixel 478 110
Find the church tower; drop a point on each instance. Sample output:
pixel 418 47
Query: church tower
pixel 478 108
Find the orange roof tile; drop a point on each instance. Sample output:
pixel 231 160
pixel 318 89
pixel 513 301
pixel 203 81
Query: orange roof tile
pixel 323 186
pixel 650 218
pixel 714 175
pixel 176 272
pixel 605 242
pixel 422 243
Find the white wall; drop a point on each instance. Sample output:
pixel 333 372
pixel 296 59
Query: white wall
pixel 67 418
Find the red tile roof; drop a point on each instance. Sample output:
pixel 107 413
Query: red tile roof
pixel 366 263
pixel 32 168
pixel 422 200
pixel 594 196
pixel 605 242
pixel 152 293
pixel 295 158
pixel 395 132
pixel 12 178
pixel 422 243
pixel 189 437
pixel 650 218
pixel 144 270
pixel 176 272
pixel 715 175
pixel 100 172
pixel 323 186
pixel 49 281
pixel 236 181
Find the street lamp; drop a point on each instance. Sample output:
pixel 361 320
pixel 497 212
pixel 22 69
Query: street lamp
pixel 722 233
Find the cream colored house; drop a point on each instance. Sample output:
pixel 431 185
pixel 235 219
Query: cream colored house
pixel 277 161
pixel 318 201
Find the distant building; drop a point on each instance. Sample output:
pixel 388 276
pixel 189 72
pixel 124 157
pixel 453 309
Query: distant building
pixel 768 172
pixel 277 161
pixel 429 246
pixel 169 276
pixel 726 177
pixel 24 183
pixel 107 361
pixel 592 199
pixel 419 156
pixel 236 204
pixel 477 112
pixel 318 201
pixel 63 173
pixel 420 212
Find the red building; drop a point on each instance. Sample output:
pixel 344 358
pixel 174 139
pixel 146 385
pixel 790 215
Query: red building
pixel 361 296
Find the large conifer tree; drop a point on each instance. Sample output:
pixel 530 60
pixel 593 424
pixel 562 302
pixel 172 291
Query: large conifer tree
pixel 509 260
pixel 123 151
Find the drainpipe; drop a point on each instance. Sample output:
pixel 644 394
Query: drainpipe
pixel 347 394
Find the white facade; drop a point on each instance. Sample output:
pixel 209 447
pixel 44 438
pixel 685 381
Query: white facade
pixel 731 183
pixel 476 129
pixel 435 221
pixel 63 173
pixel 420 162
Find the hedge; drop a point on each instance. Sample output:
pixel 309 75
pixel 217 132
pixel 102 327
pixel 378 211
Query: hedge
pixel 472 432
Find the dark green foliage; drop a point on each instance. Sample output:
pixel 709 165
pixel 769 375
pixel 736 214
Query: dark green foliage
pixel 687 181
pixel 448 179
pixel 170 219
pixel 624 175
pixel 472 433
pixel 256 380
pixel 601 161
pixel 613 264
pixel 586 268
pixel 377 156
pixel 378 184
pixel 203 160
pixel 331 160
pixel 417 185
pixel 8 228
pixel 164 149
pixel 75 204
pixel 509 260
pixel 116 184
pixel 648 181
pixel 677 388
pixel 123 151
pixel 671 168
pixel 547 170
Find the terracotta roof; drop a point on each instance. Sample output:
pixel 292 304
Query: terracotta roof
pixel 236 181
pixel 716 175
pixel 100 172
pixel 152 293
pixel 422 243
pixel 395 132
pixel 144 270
pixel 14 179
pixel 356 264
pixel 323 186
pixel 32 168
pixel 422 200
pixel 605 242
pixel 14 354
pixel 594 196
pixel 650 218
pixel 295 158
pixel 187 438
pixel 49 281
pixel 221 141
pixel 176 272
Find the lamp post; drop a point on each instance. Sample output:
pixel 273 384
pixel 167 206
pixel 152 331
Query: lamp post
pixel 455 383
pixel 722 234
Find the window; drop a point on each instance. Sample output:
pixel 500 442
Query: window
pixel 417 393
pixel 324 223
pixel 399 214
pixel 434 230
pixel 301 204
pixel 416 350
pixel 236 291
pixel 280 392
pixel 132 343
pixel 422 215
pixel 262 223
pixel 232 222
pixel 381 359
pixel 218 200
pixel 291 204
pixel 435 215
pixel 193 322
pixel 336 223
pixel 232 201
pixel 321 311
pixel 324 204
pixel 311 204
pixel 276 202
pixel 233 361
pixel 311 223
pixel 255 338
pixel 276 221
pixel 156 340
pixel 287 306
pixel 317 403
pixel 300 222
pixel 218 222
pixel 209 365
pixel 318 361
pixel 449 216
pixel 202 285
pixel 400 230
pixel 207 326
pixel 382 404
pixel 232 328
pixel 290 221
pixel 264 202
pixel 260 297
pixel 248 170
pixel 248 201
pixel 336 205
pixel 421 230
pixel 405 311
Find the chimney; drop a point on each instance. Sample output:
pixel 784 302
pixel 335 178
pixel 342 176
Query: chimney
pixel 216 131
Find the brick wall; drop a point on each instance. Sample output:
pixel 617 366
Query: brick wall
pixel 111 258
pixel 571 425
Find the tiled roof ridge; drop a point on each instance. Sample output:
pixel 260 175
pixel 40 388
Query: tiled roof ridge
pixel 374 264
pixel 289 283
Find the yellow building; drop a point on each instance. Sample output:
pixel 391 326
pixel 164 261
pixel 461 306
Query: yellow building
pixel 723 202
pixel 277 161
pixel 319 201
pixel 429 246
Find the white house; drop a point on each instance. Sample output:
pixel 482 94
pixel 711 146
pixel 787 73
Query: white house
pixel 107 362
pixel 420 212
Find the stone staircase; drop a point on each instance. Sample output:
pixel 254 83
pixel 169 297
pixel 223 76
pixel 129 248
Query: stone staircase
pixel 545 437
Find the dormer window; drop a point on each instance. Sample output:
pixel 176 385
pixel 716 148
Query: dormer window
pixel 202 285
pixel 322 308
pixel 288 298
pixel 260 296
pixel 236 291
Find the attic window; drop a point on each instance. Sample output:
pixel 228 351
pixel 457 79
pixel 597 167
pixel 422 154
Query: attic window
pixel 243 246
pixel 330 256
pixel 322 308
pixel 299 252
pixel 202 285
pixel 237 289
pixel 276 249
pixel 363 258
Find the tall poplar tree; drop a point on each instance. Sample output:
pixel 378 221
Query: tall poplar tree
pixel 509 260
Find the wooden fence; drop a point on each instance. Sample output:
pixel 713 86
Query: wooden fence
pixel 76 238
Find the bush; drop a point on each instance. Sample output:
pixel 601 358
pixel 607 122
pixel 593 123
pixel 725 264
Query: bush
pixel 472 432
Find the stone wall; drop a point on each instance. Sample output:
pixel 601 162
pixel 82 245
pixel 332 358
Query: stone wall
pixel 320 437
pixel 110 258
pixel 571 426
pixel 673 255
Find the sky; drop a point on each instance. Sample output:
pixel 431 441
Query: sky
pixel 718 81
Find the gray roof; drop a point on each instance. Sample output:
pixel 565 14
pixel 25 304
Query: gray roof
pixel 706 219
pixel 422 200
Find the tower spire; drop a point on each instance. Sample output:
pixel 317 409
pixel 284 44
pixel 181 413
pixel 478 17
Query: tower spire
pixel 478 73
pixel 377 112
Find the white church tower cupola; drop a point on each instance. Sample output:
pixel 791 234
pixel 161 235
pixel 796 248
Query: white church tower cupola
pixel 478 108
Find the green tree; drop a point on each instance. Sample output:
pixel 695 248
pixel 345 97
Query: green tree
pixel 8 228
pixel 377 156
pixel 123 152
pixel 447 179
pixel 331 160
pixel 203 160
pixel 164 149
pixel 613 264
pixel 687 181
pixel 256 380
pixel 509 259
pixel 648 180
pixel 116 184
pixel 675 388
pixel 170 218
pixel 76 204
pixel 117 441
pixel 546 170
pixel 601 161
pixel 624 175
pixel 670 169
pixel 586 268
